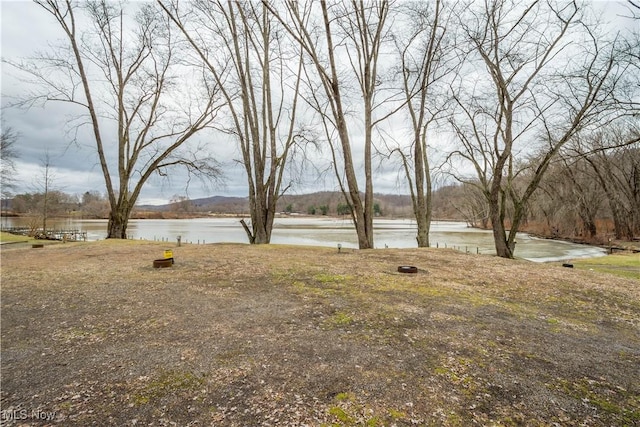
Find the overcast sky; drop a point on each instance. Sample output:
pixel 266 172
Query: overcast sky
pixel 25 29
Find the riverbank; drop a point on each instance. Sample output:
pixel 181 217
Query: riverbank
pixel 291 335
pixel 611 245
pixel 329 232
pixel 532 229
pixel 602 240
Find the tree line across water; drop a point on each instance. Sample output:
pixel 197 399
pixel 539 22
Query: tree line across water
pixel 531 107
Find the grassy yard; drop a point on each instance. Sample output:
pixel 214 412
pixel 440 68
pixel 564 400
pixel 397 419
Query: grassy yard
pixel 8 237
pixel 240 335
pixel 621 264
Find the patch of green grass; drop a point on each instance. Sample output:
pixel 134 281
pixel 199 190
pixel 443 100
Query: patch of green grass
pixel 310 291
pixel 441 370
pixel 167 383
pixel 621 404
pixel 331 278
pixel 8 237
pixel 341 415
pixel 396 415
pixel 65 406
pixel 374 422
pixel 624 265
pixel 340 319
pixel 461 374
pixel 348 412
pixel 554 324
pixel 343 396
pixel 316 285
pixel 453 419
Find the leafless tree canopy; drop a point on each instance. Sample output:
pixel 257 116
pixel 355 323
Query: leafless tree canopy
pixel 258 69
pixel 544 75
pixel 122 73
pixel 513 95
pixel 343 42
pixel 427 64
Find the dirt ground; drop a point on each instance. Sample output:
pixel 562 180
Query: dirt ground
pixel 239 335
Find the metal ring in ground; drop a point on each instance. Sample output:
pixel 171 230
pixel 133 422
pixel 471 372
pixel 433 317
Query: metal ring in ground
pixel 407 269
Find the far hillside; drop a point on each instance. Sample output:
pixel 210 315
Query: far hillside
pixel 447 204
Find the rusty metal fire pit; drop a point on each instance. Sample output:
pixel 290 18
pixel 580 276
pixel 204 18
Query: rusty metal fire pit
pixel 163 263
pixel 407 269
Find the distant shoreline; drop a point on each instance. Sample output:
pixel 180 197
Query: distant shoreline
pixel 598 241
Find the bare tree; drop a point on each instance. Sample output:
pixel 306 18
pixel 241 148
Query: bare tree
pixel 425 61
pixel 8 155
pixel 124 72
pixel 472 206
pixel 258 70
pixel 343 41
pixel 94 205
pixel 629 52
pixel 578 200
pixel 45 184
pixel 180 204
pixel 592 191
pixel 541 75
pixel 617 171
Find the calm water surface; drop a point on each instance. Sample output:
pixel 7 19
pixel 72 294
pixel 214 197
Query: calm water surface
pixel 392 233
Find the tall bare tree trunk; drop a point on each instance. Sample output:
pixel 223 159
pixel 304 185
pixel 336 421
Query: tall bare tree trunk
pixel 117 225
pixel 425 62
pixel 422 206
pixel 362 213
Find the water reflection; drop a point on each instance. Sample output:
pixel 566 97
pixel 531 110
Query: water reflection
pixel 392 233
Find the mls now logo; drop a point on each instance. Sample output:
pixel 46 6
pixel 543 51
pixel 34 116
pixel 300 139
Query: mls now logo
pixel 24 414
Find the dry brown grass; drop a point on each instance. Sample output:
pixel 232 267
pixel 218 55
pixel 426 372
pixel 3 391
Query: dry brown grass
pixel 239 335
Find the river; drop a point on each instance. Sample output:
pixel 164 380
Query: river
pixel 314 231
